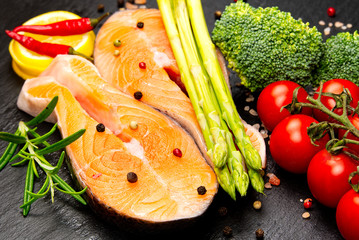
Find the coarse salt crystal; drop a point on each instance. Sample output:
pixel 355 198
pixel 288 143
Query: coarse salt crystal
pixel 338 24
pixel 253 112
pixel 306 215
pixel 250 98
pixel 268 185
pixel 327 31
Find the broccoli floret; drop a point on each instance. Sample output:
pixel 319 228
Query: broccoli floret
pixel 264 45
pixel 340 58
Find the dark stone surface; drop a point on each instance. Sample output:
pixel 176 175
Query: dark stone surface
pixel 280 216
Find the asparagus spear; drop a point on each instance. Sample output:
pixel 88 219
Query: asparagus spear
pixel 241 180
pixel 201 83
pixel 205 101
pixel 229 112
pixel 256 180
pixel 240 176
pixel 226 181
pixel 235 160
pixel 223 175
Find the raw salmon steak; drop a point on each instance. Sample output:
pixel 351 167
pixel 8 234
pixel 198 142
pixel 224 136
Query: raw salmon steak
pixel 144 42
pixel 166 189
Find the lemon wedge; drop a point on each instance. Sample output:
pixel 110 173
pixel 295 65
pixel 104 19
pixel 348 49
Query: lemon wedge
pixel 28 64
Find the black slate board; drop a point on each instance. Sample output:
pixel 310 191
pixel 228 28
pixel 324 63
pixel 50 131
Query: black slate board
pixel 280 216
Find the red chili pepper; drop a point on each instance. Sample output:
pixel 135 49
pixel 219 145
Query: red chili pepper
pixel 63 28
pixel 44 48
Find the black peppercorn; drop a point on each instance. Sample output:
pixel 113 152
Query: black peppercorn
pixel 140 24
pixel 201 190
pixel 120 3
pixel 138 95
pixel 100 127
pixel 217 15
pixel 100 7
pixel 227 231
pixel 259 233
pixel 132 177
pixel 222 211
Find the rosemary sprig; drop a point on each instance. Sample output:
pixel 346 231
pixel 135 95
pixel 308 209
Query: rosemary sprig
pixel 32 154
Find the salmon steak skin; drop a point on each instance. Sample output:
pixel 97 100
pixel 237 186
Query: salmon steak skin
pixel 166 189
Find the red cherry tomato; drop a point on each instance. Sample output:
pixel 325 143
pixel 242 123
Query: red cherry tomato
pixel 274 97
pixel 347 215
pixel 335 86
pixel 290 144
pixel 354 148
pixel 328 177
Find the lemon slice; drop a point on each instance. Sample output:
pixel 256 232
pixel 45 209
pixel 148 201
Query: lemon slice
pixel 28 64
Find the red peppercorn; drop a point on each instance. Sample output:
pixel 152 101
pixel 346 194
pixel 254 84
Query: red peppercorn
pixel 142 65
pixel 308 203
pixel 331 12
pixel 177 152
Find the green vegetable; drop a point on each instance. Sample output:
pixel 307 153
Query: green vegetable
pixel 209 94
pixel 264 45
pixel 207 101
pixel 32 154
pixel 340 58
pixel 228 108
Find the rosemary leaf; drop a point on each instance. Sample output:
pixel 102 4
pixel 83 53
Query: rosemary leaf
pixel 29 186
pixel 72 193
pixel 34 169
pixel 66 187
pixel 36 135
pixel 9 137
pixel 62 143
pixel 41 139
pixel 9 152
pixel 44 114
pixel 59 163
pixel 20 153
pixel 24 160
pixel 43 191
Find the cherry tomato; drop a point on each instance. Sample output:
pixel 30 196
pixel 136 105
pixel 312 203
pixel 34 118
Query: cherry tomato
pixel 274 97
pixel 354 148
pixel 335 86
pixel 328 177
pixel 347 215
pixel 290 144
